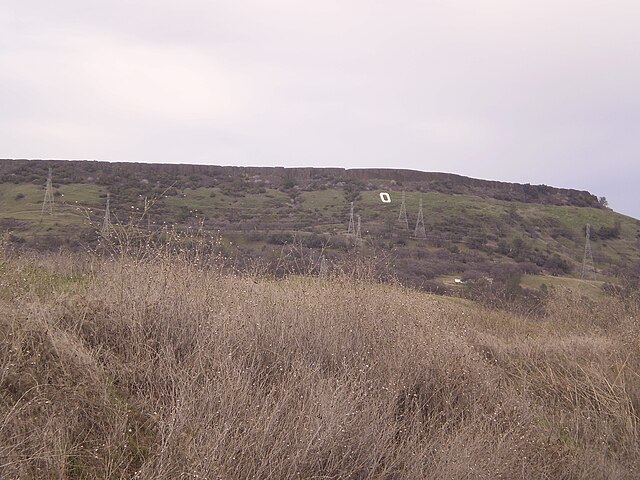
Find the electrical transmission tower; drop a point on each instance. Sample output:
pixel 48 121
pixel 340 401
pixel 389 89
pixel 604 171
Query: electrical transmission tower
pixel 106 224
pixel 358 239
pixel 351 230
pixel 420 231
pixel 402 218
pixel 47 204
pixel 324 266
pixel 587 260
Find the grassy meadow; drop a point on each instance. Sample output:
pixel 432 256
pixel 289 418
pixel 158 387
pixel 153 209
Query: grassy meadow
pixel 112 367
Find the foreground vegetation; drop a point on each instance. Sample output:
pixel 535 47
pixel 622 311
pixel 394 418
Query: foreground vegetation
pixel 165 369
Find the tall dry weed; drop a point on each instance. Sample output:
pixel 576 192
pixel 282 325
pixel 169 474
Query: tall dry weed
pixel 162 368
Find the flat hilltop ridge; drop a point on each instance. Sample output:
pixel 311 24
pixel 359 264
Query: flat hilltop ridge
pixel 195 176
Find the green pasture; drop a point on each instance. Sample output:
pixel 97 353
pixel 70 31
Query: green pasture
pixel 460 217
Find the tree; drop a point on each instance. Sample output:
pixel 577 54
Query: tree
pixel 603 202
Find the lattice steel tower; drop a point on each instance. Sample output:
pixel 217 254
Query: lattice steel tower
pixel 47 204
pixel 351 229
pixel 358 239
pixel 402 218
pixel 324 266
pixel 106 224
pixel 587 259
pixel 420 231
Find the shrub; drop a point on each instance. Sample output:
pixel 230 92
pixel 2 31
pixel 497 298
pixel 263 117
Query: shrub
pixel 557 265
pixel 280 238
pixel 606 233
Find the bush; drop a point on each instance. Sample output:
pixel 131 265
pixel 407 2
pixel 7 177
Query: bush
pixel 557 265
pixel 280 238
pixel 607 233
pixel 316 241
pixel 255 236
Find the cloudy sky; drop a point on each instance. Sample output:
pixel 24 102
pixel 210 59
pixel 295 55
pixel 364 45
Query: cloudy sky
pixel 517 90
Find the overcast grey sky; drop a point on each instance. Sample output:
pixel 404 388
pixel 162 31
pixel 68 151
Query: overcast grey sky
pixel 517 90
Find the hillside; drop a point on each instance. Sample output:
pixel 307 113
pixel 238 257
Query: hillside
pixel 474 228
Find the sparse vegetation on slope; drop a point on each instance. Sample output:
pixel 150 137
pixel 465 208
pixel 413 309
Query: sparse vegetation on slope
pixel 474 228
pixel 164 369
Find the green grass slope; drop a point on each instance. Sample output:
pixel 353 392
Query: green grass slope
pixel 474 233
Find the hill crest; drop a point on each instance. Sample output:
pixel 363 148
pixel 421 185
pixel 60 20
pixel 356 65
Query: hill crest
pixel 196 176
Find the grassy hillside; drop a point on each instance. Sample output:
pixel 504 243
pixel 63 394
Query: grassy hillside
pixel 474 228
pixel 164 370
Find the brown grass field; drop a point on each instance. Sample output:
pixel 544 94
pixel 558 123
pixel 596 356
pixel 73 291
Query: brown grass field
pixel 163 369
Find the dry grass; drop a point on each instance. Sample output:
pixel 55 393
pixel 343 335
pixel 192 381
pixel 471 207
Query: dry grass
pixel 161 370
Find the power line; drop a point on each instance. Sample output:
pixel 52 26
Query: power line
pixel 587 259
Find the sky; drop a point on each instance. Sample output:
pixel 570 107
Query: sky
pixel 527 91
